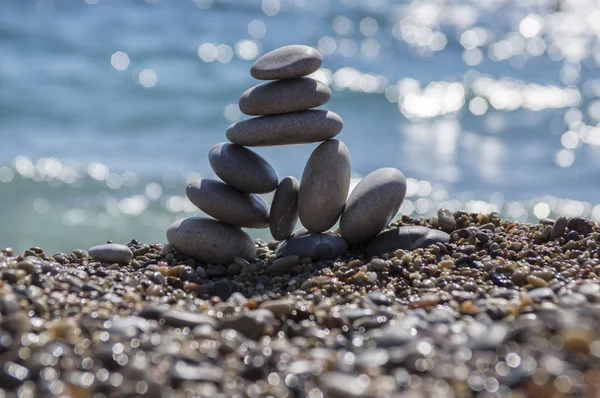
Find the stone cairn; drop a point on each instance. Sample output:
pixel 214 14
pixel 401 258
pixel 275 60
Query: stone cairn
pixel 285 117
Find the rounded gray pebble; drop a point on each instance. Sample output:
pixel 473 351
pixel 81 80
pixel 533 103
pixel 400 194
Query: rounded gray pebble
pixel 112 253
pixel 284 208
pixel 558 229
pixel 210 241
pixel 227 204
pixel 406 238
pixel 283 265
pixel 324 186
pixel 372 204
pixel 286 63
pixel 446 219
pixel 284 96
pixel 315 246
pixel 242 168
pixel 303 127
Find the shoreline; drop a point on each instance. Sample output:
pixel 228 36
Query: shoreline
pixel 501 308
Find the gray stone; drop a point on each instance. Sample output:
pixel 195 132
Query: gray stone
pixel 223 289
pixel 242 168
pixel 190 319
pixel 284 208
pixel 227 204
pixel 315 246
pixel 112 253
pixel 338 385
pixel 214 271
pixel 283 265
pixel 324 186
pixel 303 127
pixel 286 63
pixel 279 307
pixel 406 238
pixel 252 324
pixel 372 204
pixel 558 229
pixel 187 369
pixel 283 96
pixel 393 335
pixel 210 241
pixel 446 219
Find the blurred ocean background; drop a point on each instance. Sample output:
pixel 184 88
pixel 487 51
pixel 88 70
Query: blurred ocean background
pixel 108 108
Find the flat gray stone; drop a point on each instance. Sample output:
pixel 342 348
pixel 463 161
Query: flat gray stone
pixel 210 241
pixel 406 238
pixel 315 246
pixel 303 127
pixel 372 204
pixel 286 63
pixel 227 204
pixel 242 168
pixel 283 265
pixel 324 186
pixel 283 96
pixel 112 253
pixel 284 208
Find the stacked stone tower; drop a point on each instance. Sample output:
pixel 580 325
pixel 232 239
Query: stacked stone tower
pixel 285 116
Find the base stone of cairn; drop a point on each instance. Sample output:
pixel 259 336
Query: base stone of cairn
pixel 285 117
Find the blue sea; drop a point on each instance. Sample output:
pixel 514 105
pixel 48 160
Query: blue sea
pixel 109 107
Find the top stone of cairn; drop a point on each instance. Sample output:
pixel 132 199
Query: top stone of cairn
pixel 287 63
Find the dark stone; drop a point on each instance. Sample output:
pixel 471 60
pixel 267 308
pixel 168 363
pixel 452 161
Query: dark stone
pixel 315 246
pixel 406 238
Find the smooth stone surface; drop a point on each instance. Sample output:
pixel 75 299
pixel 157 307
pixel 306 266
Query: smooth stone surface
pixel 372 204
pixel 112 253
pixel 558 229
pixel 283 96
pixel 252 324
pixel 227 204
pixel 315 246
pixel 292 128
pixel 190 319
pixel 324 186
pixel 283 215
pixel 283 265
pixel 446 219
pixel 210 241
pixel 406 238
pixel 242 168
pixel 286 63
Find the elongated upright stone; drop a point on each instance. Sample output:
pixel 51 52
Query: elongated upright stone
pixel 284 208
pixel 324 186
pixel 242 168
pixel 287 63
pixel 283 96
pixel 303 127
pixel 372 204
pixel 227 204
pixel 210 241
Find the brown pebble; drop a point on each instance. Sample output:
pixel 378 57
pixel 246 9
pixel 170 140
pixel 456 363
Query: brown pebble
pixel 536 282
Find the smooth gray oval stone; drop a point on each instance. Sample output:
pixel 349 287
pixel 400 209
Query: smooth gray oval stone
pixel 446 219
pixel 324 186
pixel 292 128
pixel 227 204
pixel 284 208
pixel 242 168
pixel 286 63
pixel 112 253
pixel 372 204
pixel 283 96
pixel 315 246
pixel 406 238
pixel 210 241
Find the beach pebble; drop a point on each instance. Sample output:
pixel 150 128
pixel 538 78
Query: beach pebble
pixel 223 289
pixel 324 186
pixel 284 208
pixel 279 307
pixel 283 265
pixel 210 241
pixel 112 253
pixel 315 246
pixel 446 219
pixel 372 204
pixel 252 324
pixel 558 229
pixel 242 168
pixel 406 238
pixel 286 63
pixel 177 318
pixel 302 127
pixel 284 96
pixel 580 225
pixel 338 385
pixel 227 204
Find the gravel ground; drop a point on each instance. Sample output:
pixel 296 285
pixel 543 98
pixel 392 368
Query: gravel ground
pixel 504 309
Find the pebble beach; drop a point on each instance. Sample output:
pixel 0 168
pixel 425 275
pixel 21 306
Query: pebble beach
pixel 503 309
